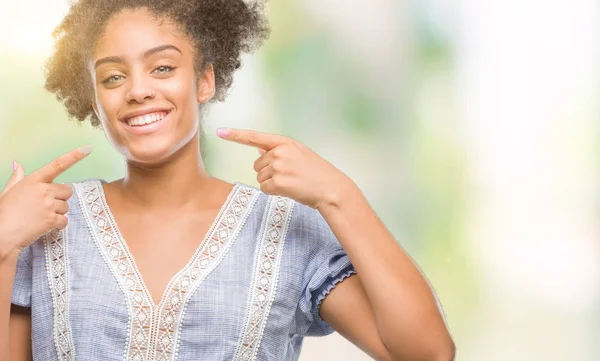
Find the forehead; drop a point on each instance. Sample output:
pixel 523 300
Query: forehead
pixel 132 31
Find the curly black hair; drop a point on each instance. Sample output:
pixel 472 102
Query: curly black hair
pixel 220 31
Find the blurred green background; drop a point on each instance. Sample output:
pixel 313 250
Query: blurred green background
pixel 471 126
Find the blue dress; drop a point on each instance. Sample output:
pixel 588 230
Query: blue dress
pixel 251 291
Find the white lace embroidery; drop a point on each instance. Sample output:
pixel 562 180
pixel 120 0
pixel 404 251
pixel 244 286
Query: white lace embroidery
pixel 154 330
pixel 118 258
pixel 58 279
pixel 265 276
pixel 221 236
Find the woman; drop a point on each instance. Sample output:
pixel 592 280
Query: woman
pixel 119 271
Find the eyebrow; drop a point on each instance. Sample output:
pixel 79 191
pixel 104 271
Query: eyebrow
pixel 147 53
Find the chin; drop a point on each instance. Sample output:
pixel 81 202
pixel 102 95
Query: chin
pixel 154 149
pixel 154 154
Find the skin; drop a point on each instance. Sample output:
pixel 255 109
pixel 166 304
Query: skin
pixel 35 204
pixel 387 310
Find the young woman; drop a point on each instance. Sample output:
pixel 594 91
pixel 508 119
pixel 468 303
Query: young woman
pixel 170 263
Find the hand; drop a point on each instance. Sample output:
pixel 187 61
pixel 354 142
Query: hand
pixel 32 206
pixel 288 168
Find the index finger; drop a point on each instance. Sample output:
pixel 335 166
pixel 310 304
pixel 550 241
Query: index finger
pixel 253 138
pixel 60 164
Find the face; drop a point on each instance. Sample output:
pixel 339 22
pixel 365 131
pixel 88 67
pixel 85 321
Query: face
pixel 146 88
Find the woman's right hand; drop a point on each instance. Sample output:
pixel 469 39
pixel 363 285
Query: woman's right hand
pixel 31 206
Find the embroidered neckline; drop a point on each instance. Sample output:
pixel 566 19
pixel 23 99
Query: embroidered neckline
pixel 163 299
pixel 154 329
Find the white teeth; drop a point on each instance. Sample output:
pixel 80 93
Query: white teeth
pixel 146 119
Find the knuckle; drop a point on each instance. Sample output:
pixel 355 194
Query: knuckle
pixel 253 138
pixel 40 191
pixel 277 166
pixel 62 222
pixel 68 191
pixel 276 181
pixel 49 220
pixel 57 165
pixel 264 188
pixel 47 203
pixel 277 152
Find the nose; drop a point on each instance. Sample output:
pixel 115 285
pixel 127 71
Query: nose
pixel 139 91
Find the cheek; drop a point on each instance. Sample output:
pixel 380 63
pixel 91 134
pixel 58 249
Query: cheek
pixel 182 93
pixel 183 96
pixel 108 104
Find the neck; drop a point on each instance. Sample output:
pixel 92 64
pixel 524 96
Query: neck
pixel 175 183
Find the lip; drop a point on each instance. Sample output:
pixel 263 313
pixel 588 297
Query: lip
pixel 139 112
pixel 147 128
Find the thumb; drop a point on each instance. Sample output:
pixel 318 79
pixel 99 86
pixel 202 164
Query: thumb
pixel 17 174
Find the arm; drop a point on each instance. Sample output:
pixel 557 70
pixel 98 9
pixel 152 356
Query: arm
pixel 30 206
pixel 20 334
pixel 8 269
pixel 388 308
pixel 15 321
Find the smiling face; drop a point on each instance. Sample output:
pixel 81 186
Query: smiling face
pixel 146 88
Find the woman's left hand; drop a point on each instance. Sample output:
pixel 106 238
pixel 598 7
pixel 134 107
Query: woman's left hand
pixel 290 169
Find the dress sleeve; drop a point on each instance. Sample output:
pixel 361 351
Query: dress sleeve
pixel 327 266
pixel 21 295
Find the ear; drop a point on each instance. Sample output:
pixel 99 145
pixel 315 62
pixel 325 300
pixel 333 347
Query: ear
pixel 206 84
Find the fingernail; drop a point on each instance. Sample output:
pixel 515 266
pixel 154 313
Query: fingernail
pixel 222 132
pixel 14 165
pixel 86 149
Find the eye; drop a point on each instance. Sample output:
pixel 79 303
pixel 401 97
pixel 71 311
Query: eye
pixel 164 69
pixel 112 79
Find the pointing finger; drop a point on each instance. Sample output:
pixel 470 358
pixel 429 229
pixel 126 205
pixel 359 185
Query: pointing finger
pixel 53 169
pixel 249 137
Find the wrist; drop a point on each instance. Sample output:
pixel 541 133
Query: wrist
pixel 8 253
pixel 343 195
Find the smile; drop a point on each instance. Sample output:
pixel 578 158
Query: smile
pixel 146 119
pixel 146 123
